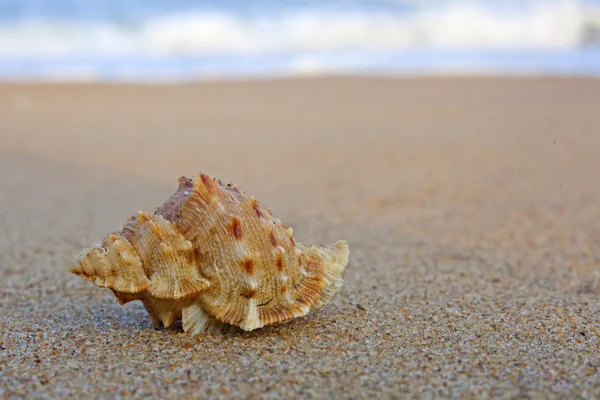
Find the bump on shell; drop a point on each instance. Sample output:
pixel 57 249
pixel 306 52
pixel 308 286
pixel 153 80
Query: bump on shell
pixel 211 256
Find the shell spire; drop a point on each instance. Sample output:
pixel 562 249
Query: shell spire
pixel 211 256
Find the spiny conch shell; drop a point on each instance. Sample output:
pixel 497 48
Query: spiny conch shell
pixel 215 259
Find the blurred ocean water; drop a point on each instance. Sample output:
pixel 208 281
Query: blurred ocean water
pixel 152 40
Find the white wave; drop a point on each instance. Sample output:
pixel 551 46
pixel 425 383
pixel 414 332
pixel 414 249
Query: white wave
pixel 561 24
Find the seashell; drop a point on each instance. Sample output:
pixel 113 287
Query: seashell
pixel 211 256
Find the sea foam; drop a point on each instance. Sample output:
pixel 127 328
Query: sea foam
pixel 205 41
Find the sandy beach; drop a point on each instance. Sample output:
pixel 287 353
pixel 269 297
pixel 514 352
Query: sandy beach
pixel 471 206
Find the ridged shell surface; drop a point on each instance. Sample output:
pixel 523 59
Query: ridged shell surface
pixel 210 255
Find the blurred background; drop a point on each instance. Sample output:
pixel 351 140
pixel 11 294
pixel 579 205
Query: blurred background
pixel 182 40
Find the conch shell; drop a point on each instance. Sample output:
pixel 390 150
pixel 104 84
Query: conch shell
pixel 215 259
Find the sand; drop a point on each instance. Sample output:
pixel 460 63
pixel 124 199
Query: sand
pixel 471 206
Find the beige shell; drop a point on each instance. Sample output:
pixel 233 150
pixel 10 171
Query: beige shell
pixel 213 258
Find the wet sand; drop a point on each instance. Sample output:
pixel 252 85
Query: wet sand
pixel 471 206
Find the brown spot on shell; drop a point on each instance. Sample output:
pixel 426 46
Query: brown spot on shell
pixel 284 288
pixel 279 263
pixel 236 228
pixel 249 294
pixel 84 274
pixel 273 240
pixel 194 256
pixel 206 180
pixel 248 265
pixel 254 204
